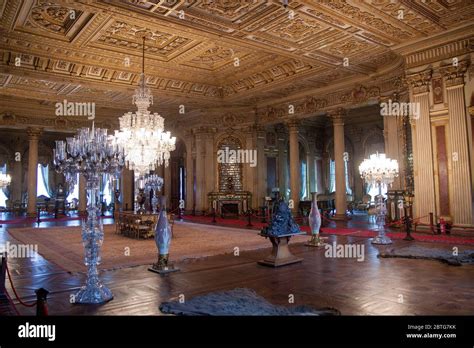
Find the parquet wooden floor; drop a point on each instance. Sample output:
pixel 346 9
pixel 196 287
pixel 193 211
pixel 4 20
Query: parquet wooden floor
pixel 372 287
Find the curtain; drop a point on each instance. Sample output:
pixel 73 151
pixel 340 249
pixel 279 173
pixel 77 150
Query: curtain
pixel 72 192
pixel 45 177
pixel 303 180
pixel 106 189
pixel 348 185
pixel 5 192
pixel 332 176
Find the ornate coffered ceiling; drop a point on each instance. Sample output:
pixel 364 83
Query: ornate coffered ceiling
pixel 207 53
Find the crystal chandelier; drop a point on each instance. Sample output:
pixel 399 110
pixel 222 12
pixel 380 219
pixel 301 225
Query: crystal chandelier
pixel 92 153
pixel 5 180
pixel 153 182
pixel 142 134
pixel 378 170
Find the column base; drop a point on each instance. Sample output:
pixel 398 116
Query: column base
pixel 31 215
pixel 340 217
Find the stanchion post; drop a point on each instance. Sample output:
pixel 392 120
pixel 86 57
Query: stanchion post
pixel 432 223
pixel 214 215
pixel 407 221
pixel 249 216
pixel 3 271
pixel 41 302
pixel 38 215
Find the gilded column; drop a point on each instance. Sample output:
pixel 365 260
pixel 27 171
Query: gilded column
pixel 392 139
pixel 461 197
pixel 311 169
pixel 210 166
pixel 127 189
pixel 250 173
pixel 190 155
pixel 422 147
pixel 82 195
pixel 282 163
pixel 341 201
pixel 17 175
pixel 33 138
pixel 167 184
pixel 200 164
pixel 261 183
pixel 295 179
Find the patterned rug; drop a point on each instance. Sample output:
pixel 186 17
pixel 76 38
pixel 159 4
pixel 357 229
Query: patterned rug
pixel 418 252
pixel 63 245
pixel 353 232
pixel 237 302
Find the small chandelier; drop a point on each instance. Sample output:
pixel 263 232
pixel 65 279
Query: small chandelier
pixel 5 180
pixel 378 169
pixel 142 134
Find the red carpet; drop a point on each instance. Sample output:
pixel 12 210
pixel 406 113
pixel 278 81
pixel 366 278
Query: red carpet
pixel 354 232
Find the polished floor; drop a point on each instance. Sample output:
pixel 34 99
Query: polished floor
pixel 371 287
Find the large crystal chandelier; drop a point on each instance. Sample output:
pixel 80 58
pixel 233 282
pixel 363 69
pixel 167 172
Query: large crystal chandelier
pixel 378 170
pixel 142 134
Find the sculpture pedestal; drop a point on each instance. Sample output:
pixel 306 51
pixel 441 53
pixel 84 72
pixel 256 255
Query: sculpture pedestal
pixel 163 270
pixel 316 241
pixel 163 266
pixel 281 254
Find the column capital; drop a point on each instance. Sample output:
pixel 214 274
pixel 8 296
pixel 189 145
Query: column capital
pixel 293 125
pixel 34 133
pixel 471 110
pixel 454 75
pixel 337 116
pixel 419 82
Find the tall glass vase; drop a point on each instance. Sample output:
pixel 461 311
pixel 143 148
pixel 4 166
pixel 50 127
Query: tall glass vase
pixel 314 222
pixel 92 238
pixel 163 236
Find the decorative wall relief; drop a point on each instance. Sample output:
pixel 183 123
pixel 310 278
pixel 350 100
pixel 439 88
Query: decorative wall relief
pixel 438 94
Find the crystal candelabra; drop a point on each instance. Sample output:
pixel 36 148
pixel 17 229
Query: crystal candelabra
pixel 379 170
pixel 92 153
pixel 154 183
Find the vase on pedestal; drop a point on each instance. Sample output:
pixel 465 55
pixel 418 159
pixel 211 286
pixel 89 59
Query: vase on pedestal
pixel 163 239
pixel 314 219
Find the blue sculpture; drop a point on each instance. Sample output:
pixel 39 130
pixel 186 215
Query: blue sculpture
pixel 282 222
